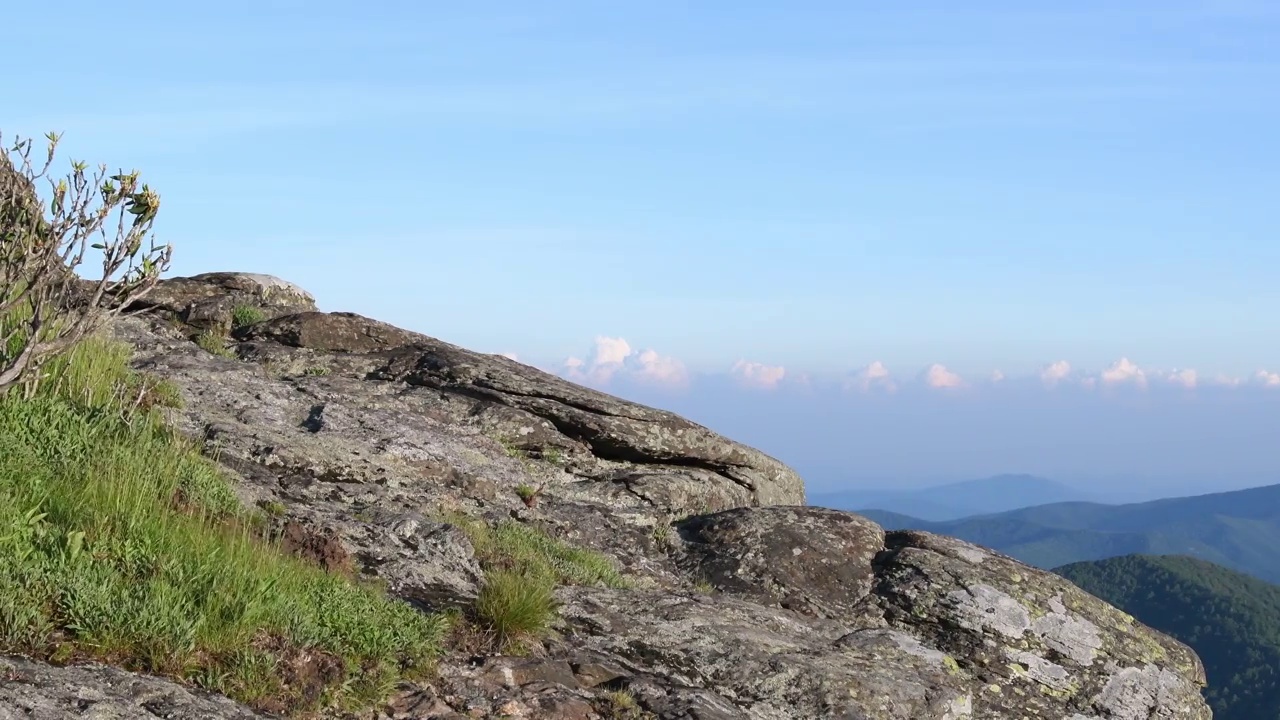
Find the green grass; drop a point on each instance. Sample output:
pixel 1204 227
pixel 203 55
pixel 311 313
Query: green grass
pixel 511 545
pixel 244 315
pixel 522 568
pixel 622 705
pixel 527 493
pixel 214 343
pixel 122 543
pixel 515 604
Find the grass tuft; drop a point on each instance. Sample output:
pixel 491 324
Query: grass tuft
pixel 121 542
pixel 522 568
pixel 214 343
pixel 515 604
pixel 245 315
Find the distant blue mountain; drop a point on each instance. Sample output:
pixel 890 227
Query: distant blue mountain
pixel 1238 529
pixel 956 500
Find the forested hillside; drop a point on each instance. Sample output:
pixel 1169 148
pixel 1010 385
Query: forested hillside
pixel 1231 620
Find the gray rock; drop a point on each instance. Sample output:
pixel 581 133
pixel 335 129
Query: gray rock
pixel 814 561
pixel 35 690
pixel 370 437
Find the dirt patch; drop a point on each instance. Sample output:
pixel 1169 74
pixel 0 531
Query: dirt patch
pixel 324 550
pixel 303 674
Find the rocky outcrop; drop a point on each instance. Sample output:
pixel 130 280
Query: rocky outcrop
pixel 34 690
pixel 745 603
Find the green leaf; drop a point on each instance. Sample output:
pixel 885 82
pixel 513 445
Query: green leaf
pixel 75 543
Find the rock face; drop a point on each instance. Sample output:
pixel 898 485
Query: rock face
pixel 747 604
pixel 33 690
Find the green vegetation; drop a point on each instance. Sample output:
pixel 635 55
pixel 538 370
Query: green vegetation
pixel 662 532
pixel 214 343
pixel 622 705
pixel 528 493
pixel 1231 620
pixel 121 542
pixel 1238 529
pixel 522 568
pixel 245 315
pixel 515 604
pixel 45 308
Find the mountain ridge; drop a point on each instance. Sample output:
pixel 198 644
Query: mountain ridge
pixel 1235 528
pixel 954 500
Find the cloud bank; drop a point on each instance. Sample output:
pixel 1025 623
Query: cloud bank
pixel 612 358
pixel 613 361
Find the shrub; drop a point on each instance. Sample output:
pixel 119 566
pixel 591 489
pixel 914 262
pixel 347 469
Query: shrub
pixel 44 308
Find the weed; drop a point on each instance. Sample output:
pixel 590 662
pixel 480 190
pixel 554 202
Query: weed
pixel 215 343
pixel 512 450
pixel 274 508
pixel 529 494
pixel 245 315
pixel 662 533
pixel 622 705
pixel 316 370
pixel 553 455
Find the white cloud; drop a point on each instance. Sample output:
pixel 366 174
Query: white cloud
pixel 659 369
pixel 758 375
pixel 611 351
pixel 997 376
pixel 1055 373
pixel 938 376
pixel 1123 371
pixel 1268 379
pixel 1228 380
pixel 613 357
pixel 1186 378
pixel 875 375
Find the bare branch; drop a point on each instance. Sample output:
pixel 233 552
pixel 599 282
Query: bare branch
pixel 44 310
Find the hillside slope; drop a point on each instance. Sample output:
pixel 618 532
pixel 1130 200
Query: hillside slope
pixel 1230 619
pixel 1238 529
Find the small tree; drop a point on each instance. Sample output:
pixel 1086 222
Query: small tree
pixel 45 308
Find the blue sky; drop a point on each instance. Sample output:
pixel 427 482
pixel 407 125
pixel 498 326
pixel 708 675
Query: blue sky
pixel 814 186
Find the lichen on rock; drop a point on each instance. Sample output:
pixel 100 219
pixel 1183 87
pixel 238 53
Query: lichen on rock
pixel 744 603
